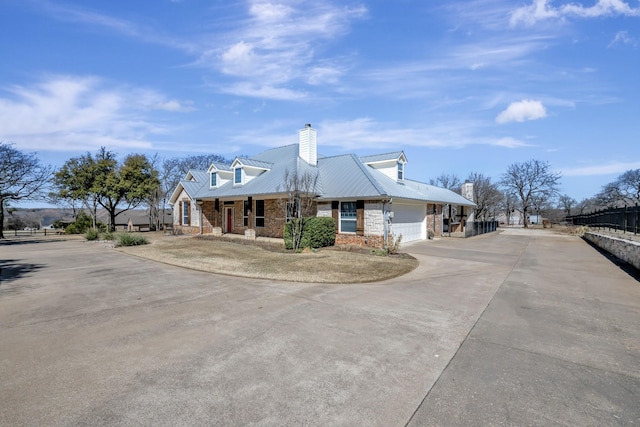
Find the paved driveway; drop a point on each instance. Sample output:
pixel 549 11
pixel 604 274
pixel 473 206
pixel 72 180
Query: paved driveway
pixel 500 329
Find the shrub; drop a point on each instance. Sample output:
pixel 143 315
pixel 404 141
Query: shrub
pixel 82 223
pixel 317 232
pixel 108 235
pixel 126 239
pixel 91 234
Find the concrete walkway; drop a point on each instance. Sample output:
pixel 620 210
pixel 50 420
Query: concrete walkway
pixel 501 329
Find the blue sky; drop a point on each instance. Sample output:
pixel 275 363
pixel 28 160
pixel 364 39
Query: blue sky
pixel 460 86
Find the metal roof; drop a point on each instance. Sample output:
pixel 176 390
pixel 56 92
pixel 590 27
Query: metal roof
pixel 382 157
pixel 338 177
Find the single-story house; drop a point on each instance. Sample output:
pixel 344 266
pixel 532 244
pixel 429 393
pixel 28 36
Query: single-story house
pixel 369 197
pixel 135 219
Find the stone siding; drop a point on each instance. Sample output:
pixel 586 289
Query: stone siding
pixel 626 250
pixel 373 219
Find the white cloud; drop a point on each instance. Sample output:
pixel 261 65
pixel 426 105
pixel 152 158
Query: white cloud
pixel 521 111
pixel 607 169
pixel 278 45
pixel 623 38
pixel 509 142
pixel 81 113
pixel 540 10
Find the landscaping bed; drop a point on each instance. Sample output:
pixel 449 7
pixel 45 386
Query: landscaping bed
pixel 269 260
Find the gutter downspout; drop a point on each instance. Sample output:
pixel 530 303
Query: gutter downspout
pixel 199 204
pixel 386 220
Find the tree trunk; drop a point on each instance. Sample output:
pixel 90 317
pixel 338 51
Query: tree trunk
pixel 1 217
pixel 112 220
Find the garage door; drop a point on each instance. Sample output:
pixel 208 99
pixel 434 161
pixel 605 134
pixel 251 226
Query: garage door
pixel 410 221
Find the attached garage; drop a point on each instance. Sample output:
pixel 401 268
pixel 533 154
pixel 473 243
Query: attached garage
pixel 410 221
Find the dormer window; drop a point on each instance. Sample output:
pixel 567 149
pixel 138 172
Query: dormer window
pixel 214 179
pixel 400 171
pixel 237 175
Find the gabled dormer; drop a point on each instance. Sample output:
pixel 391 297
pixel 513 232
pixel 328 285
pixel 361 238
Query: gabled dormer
pixel 219 174
pixel 390 164
pixel 244 170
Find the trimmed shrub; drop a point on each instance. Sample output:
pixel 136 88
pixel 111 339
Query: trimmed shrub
pixel 126 239
pixel 317 232
pixel 91 234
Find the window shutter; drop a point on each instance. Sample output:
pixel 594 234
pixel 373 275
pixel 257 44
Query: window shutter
pixel 360 217
pixel 335 213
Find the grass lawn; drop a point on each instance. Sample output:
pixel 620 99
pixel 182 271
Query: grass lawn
pixel 328 265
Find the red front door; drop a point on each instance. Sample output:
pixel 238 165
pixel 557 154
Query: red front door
pixel 229 223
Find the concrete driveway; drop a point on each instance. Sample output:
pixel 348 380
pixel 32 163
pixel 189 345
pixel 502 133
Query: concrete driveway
pixel 501 329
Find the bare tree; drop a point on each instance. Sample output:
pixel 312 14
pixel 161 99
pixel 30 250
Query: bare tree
pixel 508 204
pixel 486 195
pixel 529 181
pixel 625 190
pixel 22 177
pixel 567 203
pixel 448 181
pixel 588 204
pixel 298 203
pixel 174 169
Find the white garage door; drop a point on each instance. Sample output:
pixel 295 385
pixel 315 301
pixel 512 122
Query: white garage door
pixel 410 221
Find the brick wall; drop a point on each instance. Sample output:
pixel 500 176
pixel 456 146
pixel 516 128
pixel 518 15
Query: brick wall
pixel 352 239
pixel 438 219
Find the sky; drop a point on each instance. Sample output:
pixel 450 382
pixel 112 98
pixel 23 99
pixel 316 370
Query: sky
pixel 459 86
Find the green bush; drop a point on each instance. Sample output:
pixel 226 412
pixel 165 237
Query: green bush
pixel 91 234
pixel 126 239
pixel 317 232
pixel 108 235
pixel 83 223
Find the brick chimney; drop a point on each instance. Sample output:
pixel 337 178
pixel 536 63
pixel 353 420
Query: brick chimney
pixel 308 148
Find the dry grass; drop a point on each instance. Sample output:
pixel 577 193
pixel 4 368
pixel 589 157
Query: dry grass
pixel 257 261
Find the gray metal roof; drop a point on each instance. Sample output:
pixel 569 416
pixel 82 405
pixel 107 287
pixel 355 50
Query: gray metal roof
pixel 254 163
pixel 382 157
pixel 221 166
pixel 337 177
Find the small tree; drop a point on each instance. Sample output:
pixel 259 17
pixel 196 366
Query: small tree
pixel 298 202
pixel 530 181
pixel 101 180
pixel 22 177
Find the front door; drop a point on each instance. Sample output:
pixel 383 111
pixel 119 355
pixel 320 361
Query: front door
pixel 228 222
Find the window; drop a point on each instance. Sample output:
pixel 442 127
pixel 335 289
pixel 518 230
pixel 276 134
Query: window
pixel 214 179
pixel 245 213
pixel 185 213
pixel 400 171
pixel 348 217
pixel 237 176
pixel 259 213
